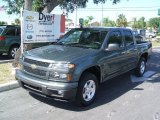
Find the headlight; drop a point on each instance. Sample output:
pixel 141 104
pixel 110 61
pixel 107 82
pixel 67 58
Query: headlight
pixel 62 66
pixel 61 72
pixel 59 76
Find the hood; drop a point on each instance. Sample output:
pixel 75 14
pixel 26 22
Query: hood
pixel 57 53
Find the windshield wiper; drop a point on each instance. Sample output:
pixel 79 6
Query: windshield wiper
pixel 59 43
pixel 79 45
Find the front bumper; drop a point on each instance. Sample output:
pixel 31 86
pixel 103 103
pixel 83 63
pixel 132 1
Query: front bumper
pixel 60 90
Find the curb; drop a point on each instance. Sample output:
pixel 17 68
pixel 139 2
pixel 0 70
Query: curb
pixel 6 61
pixel 9 86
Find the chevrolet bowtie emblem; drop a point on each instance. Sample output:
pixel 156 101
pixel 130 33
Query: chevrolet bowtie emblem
pixel 33 66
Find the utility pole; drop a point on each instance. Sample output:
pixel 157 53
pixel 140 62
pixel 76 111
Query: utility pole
pixel 102 16
pixel 76 18
pixel 159 21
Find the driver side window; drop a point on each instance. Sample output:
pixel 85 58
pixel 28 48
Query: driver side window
pixel 116 38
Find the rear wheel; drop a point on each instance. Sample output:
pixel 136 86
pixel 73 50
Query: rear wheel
pixel 12 51
pixel 139 71
pixel 87 89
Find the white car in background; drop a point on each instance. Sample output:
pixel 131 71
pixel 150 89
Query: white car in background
pixel 150 34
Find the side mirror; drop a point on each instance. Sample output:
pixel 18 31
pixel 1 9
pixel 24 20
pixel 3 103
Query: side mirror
pixel 113 47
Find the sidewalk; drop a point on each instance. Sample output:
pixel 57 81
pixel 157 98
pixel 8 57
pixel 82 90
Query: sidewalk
pixel 9 85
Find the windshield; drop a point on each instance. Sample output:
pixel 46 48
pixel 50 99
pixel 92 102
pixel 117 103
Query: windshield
pixel 86 38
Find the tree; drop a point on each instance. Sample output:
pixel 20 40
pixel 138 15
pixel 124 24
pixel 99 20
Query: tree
pixel 154 22
pixel 139 24
pixel 68 20
pixel 86 22
pixel 17 21
pixel 108 23
pixel 48 5
pixel 90 18
pixel 135 23
pixel 3 23
pixel 121 21
pixel 142 23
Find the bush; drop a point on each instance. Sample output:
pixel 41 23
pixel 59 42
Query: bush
pixel 158 34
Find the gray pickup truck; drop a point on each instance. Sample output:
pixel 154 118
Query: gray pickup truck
pixel 73 68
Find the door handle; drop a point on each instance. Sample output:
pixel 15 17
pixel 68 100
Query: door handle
pixel 123 52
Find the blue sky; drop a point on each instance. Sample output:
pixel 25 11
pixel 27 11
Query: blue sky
pixel 130 8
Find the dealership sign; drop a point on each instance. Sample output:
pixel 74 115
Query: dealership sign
pixel 41 27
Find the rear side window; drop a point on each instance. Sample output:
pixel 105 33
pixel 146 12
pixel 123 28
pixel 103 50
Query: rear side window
pixel 116 37
pixel 18 32
pixel 103 35
pixel 128 37
pixel 10 31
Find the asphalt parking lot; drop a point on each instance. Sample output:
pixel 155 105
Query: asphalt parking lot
pixel 121 98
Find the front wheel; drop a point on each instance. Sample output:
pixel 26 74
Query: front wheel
pixel 87 89
pixel 139 71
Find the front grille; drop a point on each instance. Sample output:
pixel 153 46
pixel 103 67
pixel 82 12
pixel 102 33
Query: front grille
pixel 34 71
pixel 39 63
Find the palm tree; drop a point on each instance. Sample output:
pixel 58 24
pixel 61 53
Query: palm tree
pixel 90 18
pixel 109 23
pixel 17 21
pixel 121 21
pixel 105 21
pixel 142 22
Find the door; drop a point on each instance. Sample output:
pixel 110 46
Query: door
pixel 131 50
pixel 113 60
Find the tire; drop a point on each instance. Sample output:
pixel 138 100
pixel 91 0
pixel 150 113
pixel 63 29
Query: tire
pixel 12 51
pixel 140 70
pixel 87 89
pixel 1 54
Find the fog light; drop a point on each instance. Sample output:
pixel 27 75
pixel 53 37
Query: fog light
pixel 60 92
pixel 63 76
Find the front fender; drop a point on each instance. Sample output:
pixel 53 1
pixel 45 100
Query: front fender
pixel 82 66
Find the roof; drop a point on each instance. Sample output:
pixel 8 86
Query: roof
pixel 104 28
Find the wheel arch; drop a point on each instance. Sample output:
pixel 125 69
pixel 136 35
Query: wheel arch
pixel 145 56
pixel 96 70
pixel 15 44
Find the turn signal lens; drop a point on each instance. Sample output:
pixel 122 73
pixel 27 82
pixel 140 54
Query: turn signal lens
pixel 2 38
pixel 68 77
pixel 71 66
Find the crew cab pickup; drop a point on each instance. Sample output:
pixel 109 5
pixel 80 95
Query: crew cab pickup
pixel 73 68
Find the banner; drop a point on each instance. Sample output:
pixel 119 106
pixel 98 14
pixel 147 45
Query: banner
pixel 42 27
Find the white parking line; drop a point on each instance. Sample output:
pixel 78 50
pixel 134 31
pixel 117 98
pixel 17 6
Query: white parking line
pixel 149 75
pixel 156 50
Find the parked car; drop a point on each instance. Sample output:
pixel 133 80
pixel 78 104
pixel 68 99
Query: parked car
pixel 150 34
pixel 9 39
pixel 74 68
